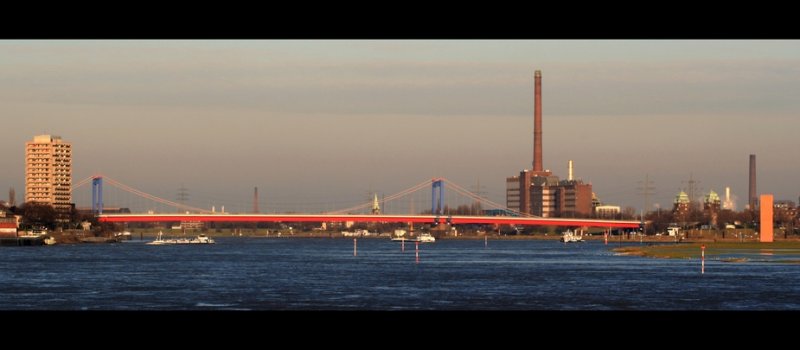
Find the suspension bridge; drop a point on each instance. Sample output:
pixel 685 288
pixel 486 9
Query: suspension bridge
pixel 440 212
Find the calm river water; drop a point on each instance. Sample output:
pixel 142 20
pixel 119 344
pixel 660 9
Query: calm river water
pixel 300 274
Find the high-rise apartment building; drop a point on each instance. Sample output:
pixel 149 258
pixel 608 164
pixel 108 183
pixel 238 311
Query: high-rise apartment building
pixel 48 172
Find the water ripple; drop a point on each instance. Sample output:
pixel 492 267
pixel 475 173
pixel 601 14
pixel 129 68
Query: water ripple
pixel 322 274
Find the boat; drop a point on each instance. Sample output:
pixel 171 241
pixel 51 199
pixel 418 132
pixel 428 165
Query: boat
pixel 358 233
pixel 399 236
pixel 23 240
pixel 158 241
pixel 123 236
pixel 422 237
pixel 571 237
pixel 98 240
pixel 426 238
pixel 201 239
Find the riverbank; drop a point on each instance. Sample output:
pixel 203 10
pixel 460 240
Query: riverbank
pixel 138 234
pixel 781 251
pixel 80 236
pixel 698 236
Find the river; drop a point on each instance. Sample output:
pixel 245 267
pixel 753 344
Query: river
pixel 323 274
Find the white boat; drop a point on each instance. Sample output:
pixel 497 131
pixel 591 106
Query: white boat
pixel 201 239
pixel 422 237
pixel 426 238
pixel 358 233
pixel 158 240
pixel 33 233
pixel 570 237
pixel 399 236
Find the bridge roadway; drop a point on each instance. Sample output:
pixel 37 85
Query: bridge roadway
pixel 424 219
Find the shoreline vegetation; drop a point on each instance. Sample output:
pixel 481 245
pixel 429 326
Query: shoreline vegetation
pixel 733 248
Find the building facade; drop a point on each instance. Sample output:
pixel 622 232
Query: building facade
pixel 543 194
pixel 192 225
pixel 681 206
pixel 48 172
pixel 575 199
pixel 785 211
pixel 512 192
pixel 8 224
pixel 607 211
pixel 711 207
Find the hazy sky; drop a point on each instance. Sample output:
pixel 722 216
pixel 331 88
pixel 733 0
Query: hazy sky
pixel 319 123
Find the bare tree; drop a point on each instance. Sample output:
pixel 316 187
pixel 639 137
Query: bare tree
pixel 629 213
pixel 660 219
pixel 38 214
pixel 785 219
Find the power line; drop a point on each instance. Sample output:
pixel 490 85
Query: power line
pixel 646 190
pixel 691 189
pixel 478 191
pixel 182 195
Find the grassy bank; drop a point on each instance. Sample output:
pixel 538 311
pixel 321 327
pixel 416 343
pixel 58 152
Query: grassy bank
pixel 783 251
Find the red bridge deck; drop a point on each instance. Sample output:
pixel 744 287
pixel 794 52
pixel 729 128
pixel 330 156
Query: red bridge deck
pixel 501 220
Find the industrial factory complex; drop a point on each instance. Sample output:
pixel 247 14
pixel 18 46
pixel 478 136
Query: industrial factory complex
pixel 536 193
pixel 539 192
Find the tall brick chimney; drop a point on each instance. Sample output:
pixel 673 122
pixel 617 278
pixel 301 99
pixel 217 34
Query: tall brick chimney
pixel 255 200
pixel 537 121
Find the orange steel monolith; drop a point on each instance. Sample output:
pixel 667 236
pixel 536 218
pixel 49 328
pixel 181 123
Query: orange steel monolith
pixel 751 194
pixel 765 227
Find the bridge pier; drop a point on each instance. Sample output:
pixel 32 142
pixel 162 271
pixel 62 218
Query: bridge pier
pixel 434 184
pixel 97 195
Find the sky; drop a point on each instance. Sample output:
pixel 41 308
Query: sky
pixel 318 124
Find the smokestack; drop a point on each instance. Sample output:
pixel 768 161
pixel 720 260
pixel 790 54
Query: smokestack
pixel 255 200
pixel 537 121
pixel 752 194
pixel 570 171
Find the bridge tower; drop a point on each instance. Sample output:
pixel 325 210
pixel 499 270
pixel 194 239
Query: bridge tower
pixel 436 206
pixel 97 195
pixel 376 208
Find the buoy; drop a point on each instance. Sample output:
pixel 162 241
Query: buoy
pixel 703 259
